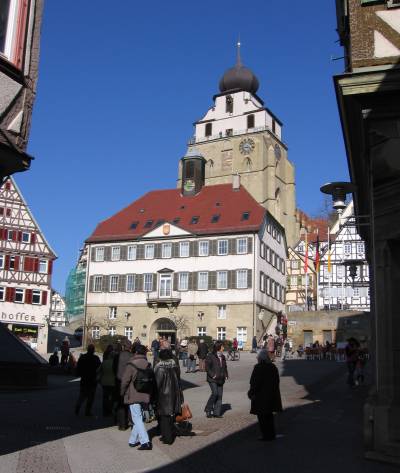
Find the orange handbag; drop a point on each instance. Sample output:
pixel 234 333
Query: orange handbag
pixel 185 415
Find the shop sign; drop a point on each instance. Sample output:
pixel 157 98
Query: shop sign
pixel 292 322
pixel 17 317
pixel 25 331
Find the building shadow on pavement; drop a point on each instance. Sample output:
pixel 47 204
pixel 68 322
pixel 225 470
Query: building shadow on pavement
pixel 33 417
pixel 324 433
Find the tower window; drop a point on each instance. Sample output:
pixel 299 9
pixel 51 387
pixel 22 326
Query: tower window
pixel 273 126
pixel 245 215
pixel 208 129
pixel 250 121
pixel 215 218
pixel 189 169
pixel 229 104
pixel 194 220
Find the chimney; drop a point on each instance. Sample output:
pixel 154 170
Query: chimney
pixel 236 181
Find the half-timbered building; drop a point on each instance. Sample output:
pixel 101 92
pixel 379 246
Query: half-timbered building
pixel 57 310
pixel 344 283
pixel 200 260
pixel 26 261
pixel 20 22
pixel 300 294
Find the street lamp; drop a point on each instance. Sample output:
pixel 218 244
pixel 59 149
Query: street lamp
pixel 338 191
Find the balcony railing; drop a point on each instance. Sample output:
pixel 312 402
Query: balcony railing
pixel 156 299
pixel 200 139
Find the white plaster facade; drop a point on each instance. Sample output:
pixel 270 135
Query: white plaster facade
pixel 248 310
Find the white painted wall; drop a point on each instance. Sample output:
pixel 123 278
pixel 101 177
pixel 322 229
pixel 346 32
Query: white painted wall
pixel 243 103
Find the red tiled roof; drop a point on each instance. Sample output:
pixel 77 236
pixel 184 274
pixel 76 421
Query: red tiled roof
pixel 316 227
pixel 169 204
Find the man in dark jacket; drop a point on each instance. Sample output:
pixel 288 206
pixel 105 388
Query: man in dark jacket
pixel 265 395
pixel 217 373
pixel 135 399
pixel 87 367
pixel 202 354
pixel 169 394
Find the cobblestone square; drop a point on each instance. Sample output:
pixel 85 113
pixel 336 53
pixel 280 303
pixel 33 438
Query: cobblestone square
pixel 321 428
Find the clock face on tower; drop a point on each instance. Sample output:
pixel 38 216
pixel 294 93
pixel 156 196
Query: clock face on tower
pixel 246 146
pixel 189 185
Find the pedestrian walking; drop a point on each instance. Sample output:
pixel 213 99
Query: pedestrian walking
pixel 271 347
pixel 87 367
pixel 107 377
pixel 120 362
pixel 64 351
pixel 265 395
pixel 137 385
pixel 217 374
pixel 254 345
pixel 352 352
pixel 192 352
pixel 286 350
pixel 53 360
pixel 169 394
pixel 155 348
pixel 202 354
pixel 184 353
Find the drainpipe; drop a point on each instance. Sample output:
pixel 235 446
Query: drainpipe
pixel 254 287
pixel 84 335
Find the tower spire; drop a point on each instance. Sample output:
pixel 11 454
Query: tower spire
pixel 238 58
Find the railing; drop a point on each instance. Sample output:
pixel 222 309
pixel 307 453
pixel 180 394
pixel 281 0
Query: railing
pixel 257 129
pixel 157 297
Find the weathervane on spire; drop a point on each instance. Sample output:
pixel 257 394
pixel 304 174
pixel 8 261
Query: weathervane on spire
pixel 238 59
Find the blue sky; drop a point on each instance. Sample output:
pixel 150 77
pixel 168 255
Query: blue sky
pixel 121 83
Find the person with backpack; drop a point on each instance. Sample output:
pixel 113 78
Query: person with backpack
pixel 137 385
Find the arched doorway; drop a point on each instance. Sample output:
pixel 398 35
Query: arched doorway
pixel 163 327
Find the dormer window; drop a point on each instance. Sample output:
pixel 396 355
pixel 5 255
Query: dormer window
pixel 148 224
pixel 245 216
pixel 229 104
pixel 134 225
pixel 215 218
pixel 160 222
pixel 175 221
pixel 250 121
pixel 194 220
pixel 208 131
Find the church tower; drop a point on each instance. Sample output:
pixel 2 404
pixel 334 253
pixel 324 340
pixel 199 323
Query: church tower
pixel 240 135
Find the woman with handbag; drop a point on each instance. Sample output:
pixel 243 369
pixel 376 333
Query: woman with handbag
pixel 264 394
pixel 217 373
pixel 169 394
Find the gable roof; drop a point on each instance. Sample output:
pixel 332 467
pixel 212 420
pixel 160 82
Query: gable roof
pixel 169 205
pixel 20 196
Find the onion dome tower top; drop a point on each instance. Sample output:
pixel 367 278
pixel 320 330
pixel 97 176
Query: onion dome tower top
pixel 238 78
